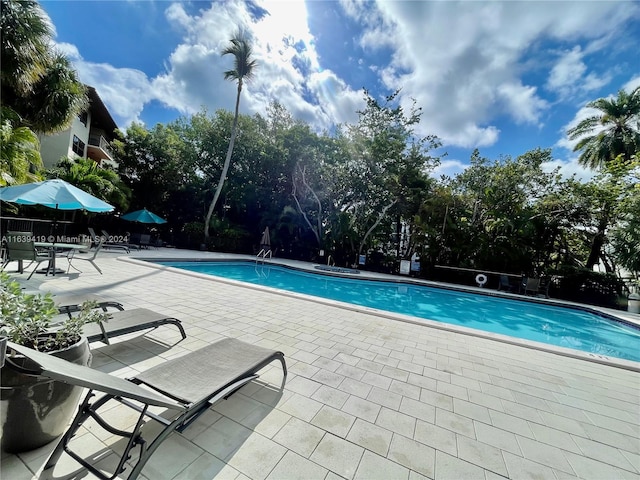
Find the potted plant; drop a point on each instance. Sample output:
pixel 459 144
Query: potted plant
pixel 36 410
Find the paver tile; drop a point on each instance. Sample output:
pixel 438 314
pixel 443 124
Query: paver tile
pixel 471 410
pixel 436 399
pixel 385 398
pixel 556 438
pixel 375 467
pixel 362 408
pixel 338 455
pixel 294 467
pixel 452 390
pixel 481 454
pixel 333 420
pixel 603 453
pixel 405 389
pixel 588 468
pixel 451 468
pixel 498 438
pixel 327 377
pixel 510 423
pixel 563 423
pixel 223 437
pixel 376 380
pixel 436 437
pixel 545 454
pixel 396 422
pixel 301 407
pixel 299 436
pixel 256 457
pixel 205 466
pixel 614 439
pixel 330 396
pixel 455 423
pixel 412 455
pixel 265 420
pixel 355 387
pixel 370 436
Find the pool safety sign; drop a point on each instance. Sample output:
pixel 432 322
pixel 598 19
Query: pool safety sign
pixel 405 267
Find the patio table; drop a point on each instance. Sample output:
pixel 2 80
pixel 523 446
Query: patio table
pixel 52 247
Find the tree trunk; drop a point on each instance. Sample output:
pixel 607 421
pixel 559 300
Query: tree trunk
pixel 225 168
pixel 373 227
pixel 599 239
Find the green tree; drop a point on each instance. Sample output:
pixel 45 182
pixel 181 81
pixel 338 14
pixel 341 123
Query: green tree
pixel 154 163
pixel 383 153
pixel 613 131
pixel 25 46
pixel 20 160
pixel 625 237
pixel 243 69
pixel 38 83
pixel 85 174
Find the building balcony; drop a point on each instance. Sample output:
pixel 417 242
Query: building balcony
pixel 99 149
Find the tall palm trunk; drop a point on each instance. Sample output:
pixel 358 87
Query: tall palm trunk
pixel 244 66
pixel 225 168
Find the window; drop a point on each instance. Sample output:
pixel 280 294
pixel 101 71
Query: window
pixel 83 117
pixel 78 146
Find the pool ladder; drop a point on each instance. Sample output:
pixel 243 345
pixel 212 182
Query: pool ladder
pixel 264 253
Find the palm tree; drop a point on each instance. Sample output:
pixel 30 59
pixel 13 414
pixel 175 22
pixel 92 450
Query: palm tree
pixel 613 132
pixel 20 159
pixel 87 175
pixel 25 45
pixel 244 67
pixel 37 82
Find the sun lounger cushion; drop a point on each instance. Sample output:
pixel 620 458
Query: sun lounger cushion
pixel 222 365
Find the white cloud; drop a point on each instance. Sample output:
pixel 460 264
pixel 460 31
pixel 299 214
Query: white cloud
pixel 124 90
pixel 464 62
pixel 632 84
pixel 569 75
pixel 565 72
pixel 569 168
pixel 449 168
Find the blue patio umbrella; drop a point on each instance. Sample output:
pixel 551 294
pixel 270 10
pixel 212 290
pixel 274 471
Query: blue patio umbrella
pixel 143 216
pixel 54 193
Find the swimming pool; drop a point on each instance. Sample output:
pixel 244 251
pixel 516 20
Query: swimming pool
pixel 560 326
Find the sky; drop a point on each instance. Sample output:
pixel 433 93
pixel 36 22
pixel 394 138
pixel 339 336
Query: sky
pixel 505 77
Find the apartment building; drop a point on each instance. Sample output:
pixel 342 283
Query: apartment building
pixel 89 136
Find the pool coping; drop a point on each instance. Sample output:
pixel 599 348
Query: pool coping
pixel 563 351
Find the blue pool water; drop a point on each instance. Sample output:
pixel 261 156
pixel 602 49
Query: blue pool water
pixel 564 327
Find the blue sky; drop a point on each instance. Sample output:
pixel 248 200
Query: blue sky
pixel 505 77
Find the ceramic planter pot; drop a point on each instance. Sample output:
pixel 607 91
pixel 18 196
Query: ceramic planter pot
pixel 35 410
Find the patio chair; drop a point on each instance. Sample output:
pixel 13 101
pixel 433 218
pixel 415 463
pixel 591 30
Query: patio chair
pixel 115 244
pixel 95 240
pixel 129 321
pixel 89 257
pixel 120 322
pixel 72 303
pixel 505 284
pixel 187 386
pixel 531 285
pixel 20 247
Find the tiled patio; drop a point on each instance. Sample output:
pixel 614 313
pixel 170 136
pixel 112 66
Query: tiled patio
pixel 367 397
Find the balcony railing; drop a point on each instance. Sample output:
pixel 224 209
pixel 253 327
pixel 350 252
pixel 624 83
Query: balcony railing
pixel 102 143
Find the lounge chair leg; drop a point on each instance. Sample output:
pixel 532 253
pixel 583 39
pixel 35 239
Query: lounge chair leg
pixel 81 416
